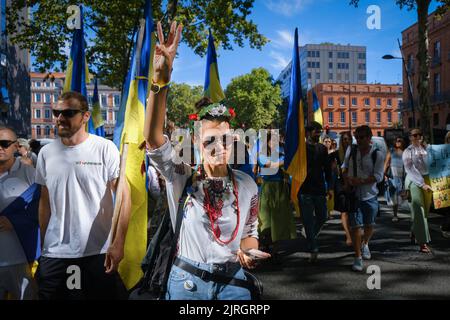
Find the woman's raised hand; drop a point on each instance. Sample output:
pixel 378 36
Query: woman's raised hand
pixel 165 53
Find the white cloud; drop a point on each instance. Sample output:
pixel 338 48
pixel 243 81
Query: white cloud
pixel 285 39
pixel 287 7
pixel 279 61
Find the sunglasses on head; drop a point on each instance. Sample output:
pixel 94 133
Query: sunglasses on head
pixel 67 113
pixel 226 140
pixel 5 144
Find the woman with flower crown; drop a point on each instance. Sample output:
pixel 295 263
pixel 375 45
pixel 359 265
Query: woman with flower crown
pixel 218 234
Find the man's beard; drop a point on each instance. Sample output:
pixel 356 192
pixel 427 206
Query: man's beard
pixel 68 132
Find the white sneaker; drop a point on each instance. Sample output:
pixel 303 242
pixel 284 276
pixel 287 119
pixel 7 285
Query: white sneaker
pixel 358 265
pixel 366 252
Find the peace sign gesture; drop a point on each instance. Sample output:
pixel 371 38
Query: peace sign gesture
pixel 165 53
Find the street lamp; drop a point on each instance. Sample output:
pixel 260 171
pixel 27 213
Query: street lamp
pixel 411 101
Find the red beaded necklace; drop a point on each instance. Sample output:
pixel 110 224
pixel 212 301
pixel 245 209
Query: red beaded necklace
pixel 214 215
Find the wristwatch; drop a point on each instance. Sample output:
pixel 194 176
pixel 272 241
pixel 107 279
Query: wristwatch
pixel 156 87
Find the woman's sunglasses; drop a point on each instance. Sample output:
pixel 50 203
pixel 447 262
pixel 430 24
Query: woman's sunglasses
pixel 5 144
pixel 67 113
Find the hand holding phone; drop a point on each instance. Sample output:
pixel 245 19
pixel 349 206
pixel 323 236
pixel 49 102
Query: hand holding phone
pixel 256 254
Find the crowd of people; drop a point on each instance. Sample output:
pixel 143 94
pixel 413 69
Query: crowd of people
pixel 56 204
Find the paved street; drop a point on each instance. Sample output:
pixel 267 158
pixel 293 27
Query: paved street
pixel 405 273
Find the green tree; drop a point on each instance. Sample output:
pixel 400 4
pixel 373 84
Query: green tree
pixel 110 25
pixel 255 99
pixel 181 102
pixel 422 7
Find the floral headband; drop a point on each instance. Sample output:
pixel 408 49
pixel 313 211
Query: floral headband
pixel 214 110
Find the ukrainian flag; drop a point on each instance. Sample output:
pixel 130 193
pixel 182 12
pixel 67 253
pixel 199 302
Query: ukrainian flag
pixel 213 90
pixel 77 72
pixel 129 130
pixel 316 109
pixel 96 123
pixel 295 145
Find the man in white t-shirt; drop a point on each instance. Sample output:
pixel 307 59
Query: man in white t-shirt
pixel 79 173
pixel 15 179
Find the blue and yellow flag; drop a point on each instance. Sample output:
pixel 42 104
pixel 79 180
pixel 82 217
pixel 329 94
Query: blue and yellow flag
pixel 96 122
pixel 77 72
pixel 213 89
pixel 317 112
pixel 130 130
pixel 295 145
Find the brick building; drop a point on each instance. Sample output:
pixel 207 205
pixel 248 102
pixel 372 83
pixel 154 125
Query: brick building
pixel 439 85
pixel 44 95
pixel 376 105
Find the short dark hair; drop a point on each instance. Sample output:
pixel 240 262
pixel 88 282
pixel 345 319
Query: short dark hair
pixel 10 129
pixel 73 95
pixel 314 125
pixel 364 130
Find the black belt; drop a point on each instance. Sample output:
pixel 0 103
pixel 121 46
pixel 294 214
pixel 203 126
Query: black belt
pixel 211 276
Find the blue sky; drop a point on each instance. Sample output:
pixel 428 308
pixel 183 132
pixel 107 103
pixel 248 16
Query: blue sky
pixel 318 21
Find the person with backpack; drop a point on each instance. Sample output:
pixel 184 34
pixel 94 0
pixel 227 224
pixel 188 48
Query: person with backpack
pixel 218 234
pixel 363 165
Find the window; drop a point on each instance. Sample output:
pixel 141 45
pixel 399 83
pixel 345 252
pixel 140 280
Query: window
pixel 330 117
pixel 343 55
pixel 330 65
pixel 367 102
pixel 55 97
pixel 116 100
pixel 47 114
pixel 37 97
pixel 437 84
pixel 410 63
pixel 330 54
pixel 378 116
pixel 48 98
pixel 47 131
pixel 378 102
pixel 47 84
pixel 38 84
pixel 38 131
pixel 389 102
pixel 437 50
pixel 37 114
pixel 317 75
pixel 104 115
pixel 354 101
pixel 367 116
pixel 309 54
pixel 361 55
pixel 330 76
pixel 342 101
pixel 309 64
pixel 361 77
pixel 317 54
pixel 354 117
pixel 389 117
pixel 344 66
pixel 410 122
pixel 309 75
pixel 104 100
pixel 361 66
pixel 435 119
pixel 342 117
pixel 90 99
pixel 330 102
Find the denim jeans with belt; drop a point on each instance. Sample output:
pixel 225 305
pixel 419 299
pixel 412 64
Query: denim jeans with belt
pixel 182 285
pixel 314 212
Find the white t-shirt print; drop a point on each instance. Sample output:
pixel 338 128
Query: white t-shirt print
pixel 81 200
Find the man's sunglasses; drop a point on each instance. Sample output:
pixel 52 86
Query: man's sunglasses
pixel 5 144
pixel 226 140
pixel 67 113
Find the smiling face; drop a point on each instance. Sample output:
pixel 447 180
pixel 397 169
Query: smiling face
pixel 8 145
pixel 216 142
pixel 69 117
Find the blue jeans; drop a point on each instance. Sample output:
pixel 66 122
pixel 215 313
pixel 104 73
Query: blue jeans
pixel 182 285
pixel 314 213
pixel 365 215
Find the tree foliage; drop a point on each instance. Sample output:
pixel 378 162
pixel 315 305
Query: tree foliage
pixel 181 102
pixel 255 99
pixel 110 26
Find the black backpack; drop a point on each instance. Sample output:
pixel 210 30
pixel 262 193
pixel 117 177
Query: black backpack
pixel 159 259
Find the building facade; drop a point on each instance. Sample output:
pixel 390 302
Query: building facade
pixel 327 63
pixel 439 84
pixel 14 79
pixel 45 90
pixel 347 106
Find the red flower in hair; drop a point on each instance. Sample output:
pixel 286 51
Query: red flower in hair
pixel 193 117
pixel 232 112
